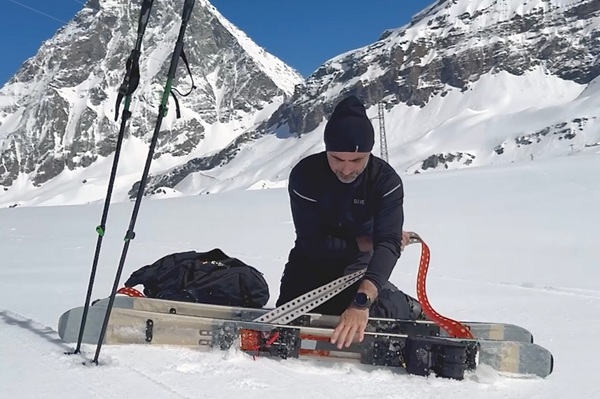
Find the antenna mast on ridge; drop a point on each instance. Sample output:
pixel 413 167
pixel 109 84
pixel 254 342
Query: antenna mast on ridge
pixel 382 138
pixel 503 9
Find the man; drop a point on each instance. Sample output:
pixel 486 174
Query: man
pixel 347 208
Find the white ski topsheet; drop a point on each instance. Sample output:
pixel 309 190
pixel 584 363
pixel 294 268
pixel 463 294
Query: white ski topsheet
pixel 480 329
pixel 516 244
pixel 128 326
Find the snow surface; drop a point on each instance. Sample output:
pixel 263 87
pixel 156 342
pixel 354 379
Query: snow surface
pixel 515 243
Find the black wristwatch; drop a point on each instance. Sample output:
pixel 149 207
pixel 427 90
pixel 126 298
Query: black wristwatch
pixel 362 301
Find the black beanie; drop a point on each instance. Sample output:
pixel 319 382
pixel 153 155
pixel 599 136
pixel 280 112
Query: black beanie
pixel 349 129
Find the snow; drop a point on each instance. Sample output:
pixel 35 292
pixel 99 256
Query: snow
pixel 501 10
pixel 285 77
pixel 515 243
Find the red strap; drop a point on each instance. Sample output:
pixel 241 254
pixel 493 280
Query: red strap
pixel 272 339
pixel 130 292
pixel 452 327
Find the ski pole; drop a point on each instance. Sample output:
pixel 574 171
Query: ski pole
pixel 129 85
pixel 162 111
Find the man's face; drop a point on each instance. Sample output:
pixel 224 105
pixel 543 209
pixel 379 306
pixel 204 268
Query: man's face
pixel 347 165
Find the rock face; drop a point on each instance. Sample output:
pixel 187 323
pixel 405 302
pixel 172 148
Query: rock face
pixel 445 161
pixel 445 48
pixel 57 113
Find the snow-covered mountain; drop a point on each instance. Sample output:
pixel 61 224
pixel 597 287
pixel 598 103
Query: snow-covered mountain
pixel 471 83
pixel 465 83
pixel 57 113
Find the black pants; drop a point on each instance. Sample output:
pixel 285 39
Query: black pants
pixel 299 279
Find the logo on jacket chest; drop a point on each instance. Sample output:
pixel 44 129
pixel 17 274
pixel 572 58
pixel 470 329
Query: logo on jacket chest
pixel 358 201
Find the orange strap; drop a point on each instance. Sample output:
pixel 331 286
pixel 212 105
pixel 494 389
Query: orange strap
pixel 452 327
pixel 130 292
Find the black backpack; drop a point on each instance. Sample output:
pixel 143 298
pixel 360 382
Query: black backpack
pixel 205 277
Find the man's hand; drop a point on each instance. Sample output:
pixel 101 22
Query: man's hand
pixel 365 243
pixel 405 240
pixel 352 321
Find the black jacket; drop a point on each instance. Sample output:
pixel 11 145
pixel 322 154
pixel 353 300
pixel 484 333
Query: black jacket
pixel 328 216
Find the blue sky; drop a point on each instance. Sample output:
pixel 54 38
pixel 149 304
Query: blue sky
pixel 302 33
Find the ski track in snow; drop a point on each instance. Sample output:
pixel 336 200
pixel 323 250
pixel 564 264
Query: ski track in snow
pixel 550 290
pixel 23 342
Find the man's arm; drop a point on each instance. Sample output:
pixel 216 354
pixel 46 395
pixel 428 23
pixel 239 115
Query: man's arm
pixel 387 234
pixel 365 244
pixel 386 245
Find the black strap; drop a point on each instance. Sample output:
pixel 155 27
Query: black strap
pixel 187 65
pixel 131 80
pixel 132 67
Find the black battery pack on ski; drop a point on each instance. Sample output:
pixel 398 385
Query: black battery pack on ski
pixel 445 358
pixel 421 355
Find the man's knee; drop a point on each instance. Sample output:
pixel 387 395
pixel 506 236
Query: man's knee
pixel 392 303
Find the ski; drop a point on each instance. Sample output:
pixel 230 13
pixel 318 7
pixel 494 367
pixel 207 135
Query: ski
pixel 481 330
pixel 445 357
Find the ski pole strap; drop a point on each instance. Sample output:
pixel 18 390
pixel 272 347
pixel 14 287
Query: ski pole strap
pixel 173 90
pixel 132 67
pixel 187 65
pixel 452 327
pixel 130 81
pixel 303 304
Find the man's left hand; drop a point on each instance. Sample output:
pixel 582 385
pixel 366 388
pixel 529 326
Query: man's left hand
pixel 353 321
pixel 365 243
pixel 405 240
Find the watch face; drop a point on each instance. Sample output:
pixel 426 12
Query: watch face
pixel 361 299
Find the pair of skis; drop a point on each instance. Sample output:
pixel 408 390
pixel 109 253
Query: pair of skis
pixel 420 347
